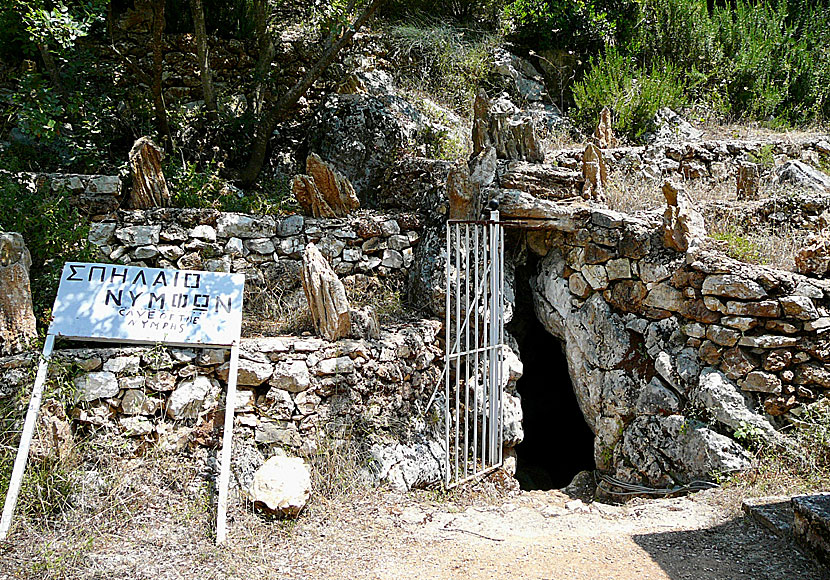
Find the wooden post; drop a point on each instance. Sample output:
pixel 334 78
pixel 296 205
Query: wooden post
pixel 26 439
pixel 227 447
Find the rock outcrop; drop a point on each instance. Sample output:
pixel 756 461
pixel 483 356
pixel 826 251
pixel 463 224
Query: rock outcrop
pixel 361 135
pixel 594 172
pixel 326 296
pixel 17 319
pixel 500 124
pixel 604 133
pixel 683 226
pixel 323 191
pixel 656 338
pixel 149 185
pixel 813 259
pixel 803 176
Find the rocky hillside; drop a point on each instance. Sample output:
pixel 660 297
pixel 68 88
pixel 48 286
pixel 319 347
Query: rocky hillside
pixel 681 269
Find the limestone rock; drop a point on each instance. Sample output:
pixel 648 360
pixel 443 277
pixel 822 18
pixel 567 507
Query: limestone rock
pixel 54 434
pixel 92 386
pixel 500 124
pixel 672 128
pixel 604 133
pixel 813 259
pixel 658 446
pixel 17 319
pixel 282 485
pixel 683 226
pixel 732 286
pixel 412 466
pixel 324 191
pixel 361 134
pixel 522 77
pixel 723 399
pixel 803 176
pixel 250 373
pixel 149 185
pixel 595 173
pixel 291 376
pixel 545 181
pixel 748 178
pixel 364 323
pixel 326 296
pixel 233 225
pixel 462 193
pixel 186 401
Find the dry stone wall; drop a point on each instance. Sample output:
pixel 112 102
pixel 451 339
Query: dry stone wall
pixel 268 250
pixel 93 195
pixel 716 159
pixel 671 353
pixel 295 393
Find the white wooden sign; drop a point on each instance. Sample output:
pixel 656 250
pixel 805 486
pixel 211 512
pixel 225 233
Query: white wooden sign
pixel 109 302
pixel 148 305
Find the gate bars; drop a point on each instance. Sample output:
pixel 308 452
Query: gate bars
pixel 474 333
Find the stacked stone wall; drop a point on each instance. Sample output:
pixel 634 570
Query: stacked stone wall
pixel 268 250
pixel 294 393
pixel 93 195
pixel 671 353
pixel 715 159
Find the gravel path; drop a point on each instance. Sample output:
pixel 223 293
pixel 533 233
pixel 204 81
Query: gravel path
pixel 529 535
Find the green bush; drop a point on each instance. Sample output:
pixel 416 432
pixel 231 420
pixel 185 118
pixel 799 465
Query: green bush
pixel 195 187
pixel 581 25
pixel 633 93
pixel 54 231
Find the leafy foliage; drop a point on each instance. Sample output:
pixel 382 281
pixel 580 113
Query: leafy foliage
pixel 195 187
pixel 633 93
pixel 584 24
pixel 54 231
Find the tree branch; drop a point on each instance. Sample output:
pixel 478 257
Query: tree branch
pixel 292 97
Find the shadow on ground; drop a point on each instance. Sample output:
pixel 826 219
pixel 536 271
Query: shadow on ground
pixel 736 550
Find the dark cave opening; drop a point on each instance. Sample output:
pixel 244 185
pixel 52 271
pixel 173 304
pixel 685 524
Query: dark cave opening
pixel 558 443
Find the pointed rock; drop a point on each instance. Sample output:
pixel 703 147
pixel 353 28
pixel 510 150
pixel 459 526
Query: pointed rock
pixel 595 172
pixel 324 191
pixel 326 296
pixel 17 319
pixel 683 226
pixel 604 134
pixel 149 185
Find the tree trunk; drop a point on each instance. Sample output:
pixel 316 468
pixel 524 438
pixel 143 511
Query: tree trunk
pixel 259 146
pixel 265 56
pixel 51 68
pixel 162 126
pixel 202 52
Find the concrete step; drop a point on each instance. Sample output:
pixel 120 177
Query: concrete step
pixel 803 519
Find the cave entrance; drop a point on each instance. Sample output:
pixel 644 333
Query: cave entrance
pixel 557 443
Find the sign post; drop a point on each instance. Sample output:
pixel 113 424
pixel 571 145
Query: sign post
pixel 112 303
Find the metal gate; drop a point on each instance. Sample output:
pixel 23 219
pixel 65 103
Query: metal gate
pixel 474 333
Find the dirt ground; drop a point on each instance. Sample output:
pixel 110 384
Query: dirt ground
pixel 388 535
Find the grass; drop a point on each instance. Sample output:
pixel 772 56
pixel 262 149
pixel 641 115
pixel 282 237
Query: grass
pixel 777 473
pixel 731 227
pixel 447 62
pixel 275 309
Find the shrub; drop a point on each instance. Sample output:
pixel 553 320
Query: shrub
pixel 582 25
pixel 54 232
pixel 194 186
pixel 633 93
